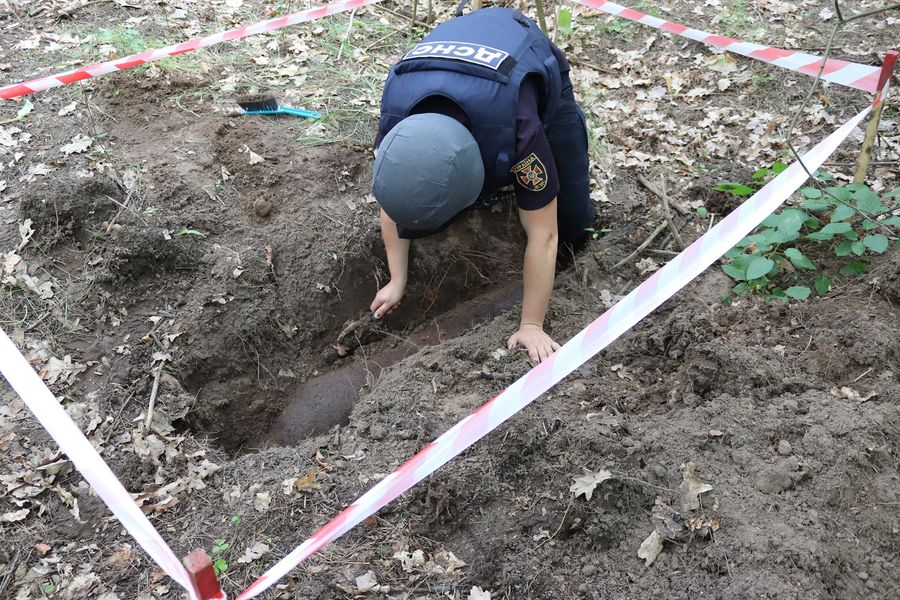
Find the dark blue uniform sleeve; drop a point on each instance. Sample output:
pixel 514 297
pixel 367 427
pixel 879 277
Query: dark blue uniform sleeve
pixel 534 171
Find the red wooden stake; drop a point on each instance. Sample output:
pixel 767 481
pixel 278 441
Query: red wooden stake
pixel 203 576
pixel 887 71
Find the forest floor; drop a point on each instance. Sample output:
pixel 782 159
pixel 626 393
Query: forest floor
pixel 232 260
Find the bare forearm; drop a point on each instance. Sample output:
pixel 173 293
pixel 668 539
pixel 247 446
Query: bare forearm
pixel 396 248
pixel 537 279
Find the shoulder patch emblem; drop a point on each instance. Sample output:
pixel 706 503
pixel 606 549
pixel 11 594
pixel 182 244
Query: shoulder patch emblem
pixel 531 173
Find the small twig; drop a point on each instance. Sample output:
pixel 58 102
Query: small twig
pixel 346 35
pixel 594 66
pixel 150 406
pixel 13 120
pixel 659 229
pixel 383 38
pixel 400 15
pixel 867 371
pixel 561 523
pixel 877 163
pixel 647 184
pixel 11 571
pixel 869 13
pixel 668 214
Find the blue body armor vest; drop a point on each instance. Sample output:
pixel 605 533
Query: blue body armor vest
pixel 478 61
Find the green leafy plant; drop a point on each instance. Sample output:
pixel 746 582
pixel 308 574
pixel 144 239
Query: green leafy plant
pixel 596 233
pixel 757 180
pixel 220 565
pixel 193 232
pixel 846 222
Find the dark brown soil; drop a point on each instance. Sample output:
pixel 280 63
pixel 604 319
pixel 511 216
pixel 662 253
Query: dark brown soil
pixel 251 258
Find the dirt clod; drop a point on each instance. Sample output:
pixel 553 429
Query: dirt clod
pixel 262 207
pixel 784 448
pixel 775 479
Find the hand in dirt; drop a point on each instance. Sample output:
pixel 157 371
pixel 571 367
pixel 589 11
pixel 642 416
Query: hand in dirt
pixel 387 299
pixel 532 338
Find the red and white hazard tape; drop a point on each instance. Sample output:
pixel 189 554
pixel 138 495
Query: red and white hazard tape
pixel 591 340
pixel 855 75
pixel 863 77
pixel 120 64
pixel 79 450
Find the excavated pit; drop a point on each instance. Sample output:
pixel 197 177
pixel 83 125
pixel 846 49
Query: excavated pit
pixel 255 388
pixel 263 271
pixel 324 401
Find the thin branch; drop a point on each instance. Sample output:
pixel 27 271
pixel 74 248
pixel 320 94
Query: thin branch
pixel 659 229
pixel 346 35
pixel 150 405
pixel 874 11
pixel 668 214
pixel 649 185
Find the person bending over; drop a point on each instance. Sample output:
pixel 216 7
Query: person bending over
pixel 481 102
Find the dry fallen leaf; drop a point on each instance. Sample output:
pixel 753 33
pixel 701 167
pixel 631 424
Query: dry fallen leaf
pixel 691 487
pixel 308 481
pixel 650 548
pixel 68 108
pixel 26 231
pixel 13 516
pixel 62 371
pixel 261 501
pixel 79 144
pixel 585 484
pixel 367 582
pixel 254 157
pixel 476 593
pixel 26 110
pixel 411 561
pixel 121 559
pixel 851 394
pixel 251 554
pixel 42 548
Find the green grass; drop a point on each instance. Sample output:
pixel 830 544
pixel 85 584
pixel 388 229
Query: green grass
pixel 736 22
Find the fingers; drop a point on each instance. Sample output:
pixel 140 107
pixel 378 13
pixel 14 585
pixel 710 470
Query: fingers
pixel 512 341
pixel 379 307
pixel 538 351
pixel 545 350
pixel 385 307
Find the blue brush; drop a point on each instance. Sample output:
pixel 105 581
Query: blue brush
pixel 269 106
